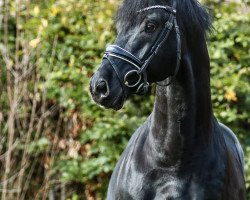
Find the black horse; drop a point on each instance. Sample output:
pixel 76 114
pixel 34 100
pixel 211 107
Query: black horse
pixel 181 151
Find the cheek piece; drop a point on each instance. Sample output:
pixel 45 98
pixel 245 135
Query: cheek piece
pixel 139 72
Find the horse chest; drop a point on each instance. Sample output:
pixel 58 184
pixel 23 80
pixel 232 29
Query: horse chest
pixel 158 184
pixel 133 182
pixel 137 176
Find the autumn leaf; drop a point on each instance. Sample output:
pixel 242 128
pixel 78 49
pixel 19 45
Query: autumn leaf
pixel 231 96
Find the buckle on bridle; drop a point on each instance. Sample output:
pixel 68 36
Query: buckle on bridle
pixel 143 88
pixel 169 25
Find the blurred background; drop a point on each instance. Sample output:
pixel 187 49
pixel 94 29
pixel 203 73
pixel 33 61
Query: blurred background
pixel 55 143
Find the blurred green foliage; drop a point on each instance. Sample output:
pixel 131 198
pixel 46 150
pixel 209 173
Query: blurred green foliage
pixel 71 36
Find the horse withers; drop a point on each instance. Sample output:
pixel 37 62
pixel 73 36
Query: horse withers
pixel 181 151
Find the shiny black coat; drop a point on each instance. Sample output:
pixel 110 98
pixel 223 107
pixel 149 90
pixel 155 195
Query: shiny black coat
pixel 181 152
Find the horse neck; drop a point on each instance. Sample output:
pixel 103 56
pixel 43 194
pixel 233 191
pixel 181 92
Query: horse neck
pixel 182 113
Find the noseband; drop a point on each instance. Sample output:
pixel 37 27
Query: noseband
pixel 139 72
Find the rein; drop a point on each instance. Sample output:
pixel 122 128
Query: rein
pixel 140 66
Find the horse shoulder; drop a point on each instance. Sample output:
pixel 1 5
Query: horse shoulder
pixel 118 182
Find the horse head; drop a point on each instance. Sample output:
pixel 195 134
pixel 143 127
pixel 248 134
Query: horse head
pixel 147 50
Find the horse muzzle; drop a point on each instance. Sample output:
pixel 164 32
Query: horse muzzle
pixel 105 90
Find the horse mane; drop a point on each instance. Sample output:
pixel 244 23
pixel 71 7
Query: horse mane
pixel 191 12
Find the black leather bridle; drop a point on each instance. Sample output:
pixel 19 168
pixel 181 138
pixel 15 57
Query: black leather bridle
pixel 139 72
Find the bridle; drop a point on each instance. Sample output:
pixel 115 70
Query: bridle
pixel 139 66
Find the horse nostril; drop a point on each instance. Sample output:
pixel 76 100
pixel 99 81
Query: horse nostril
pixel 102 88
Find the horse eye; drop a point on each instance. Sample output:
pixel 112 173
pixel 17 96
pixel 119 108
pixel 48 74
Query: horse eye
pixel 150 27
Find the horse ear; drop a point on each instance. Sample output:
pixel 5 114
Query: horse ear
pixel 194 15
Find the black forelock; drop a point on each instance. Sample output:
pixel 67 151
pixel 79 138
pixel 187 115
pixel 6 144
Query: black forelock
pixel 191 12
